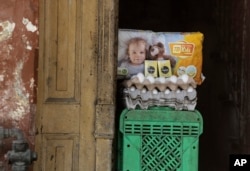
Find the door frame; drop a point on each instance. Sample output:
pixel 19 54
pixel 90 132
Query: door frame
pixel 106 83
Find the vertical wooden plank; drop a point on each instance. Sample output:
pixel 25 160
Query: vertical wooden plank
pixel 60 157
pixel 66 51
pixel 89 84
pixel 63 45
pixel 61 50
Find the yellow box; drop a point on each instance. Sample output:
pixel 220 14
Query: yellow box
pixel 151 68
pixel 164 68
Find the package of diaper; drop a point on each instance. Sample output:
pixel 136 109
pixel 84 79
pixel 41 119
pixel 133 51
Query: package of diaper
pixel 182 50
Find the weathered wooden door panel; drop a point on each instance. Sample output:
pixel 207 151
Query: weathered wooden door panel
pixel 61 50
pixel 61 67
pixel 59 104
pixel 60 118
pixel 75 110
pixel 61 152
pixel 61 59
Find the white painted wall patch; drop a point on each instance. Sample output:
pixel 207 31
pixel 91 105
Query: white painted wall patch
pixel 1 78
pixel 29 25
pixel 7 28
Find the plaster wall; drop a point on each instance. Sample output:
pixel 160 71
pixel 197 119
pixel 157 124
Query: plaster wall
pixel 18 56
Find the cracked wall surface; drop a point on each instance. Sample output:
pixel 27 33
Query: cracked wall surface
pixel 18 54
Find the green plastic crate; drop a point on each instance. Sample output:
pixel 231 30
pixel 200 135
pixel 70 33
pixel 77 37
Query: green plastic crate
pixel 159 139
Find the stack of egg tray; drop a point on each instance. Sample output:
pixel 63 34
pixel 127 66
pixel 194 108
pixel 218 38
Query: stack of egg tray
pixel 185 99
pixel 159 139
pixel 176 92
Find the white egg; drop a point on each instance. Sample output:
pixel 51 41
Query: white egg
pixel 143 90
pixel 141 77
pixel 173 79
pixel 132 88
pixel 184 78
pixel 155 91
pixel 190 89
pixel 151 79
pixel 167 91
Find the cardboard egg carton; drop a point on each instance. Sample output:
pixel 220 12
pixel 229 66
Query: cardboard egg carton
pixel 161 84
pixel 138 103
pixel 179 99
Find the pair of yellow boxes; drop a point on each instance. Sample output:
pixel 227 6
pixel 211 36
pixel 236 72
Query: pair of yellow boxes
pixel 158 68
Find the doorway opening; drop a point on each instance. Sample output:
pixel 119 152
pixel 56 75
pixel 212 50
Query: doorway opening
pixel 217 100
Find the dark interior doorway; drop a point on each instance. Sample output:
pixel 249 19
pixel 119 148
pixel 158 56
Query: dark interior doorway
pixel 219 97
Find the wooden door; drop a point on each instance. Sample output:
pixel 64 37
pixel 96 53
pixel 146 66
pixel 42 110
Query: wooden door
pixel 75 111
